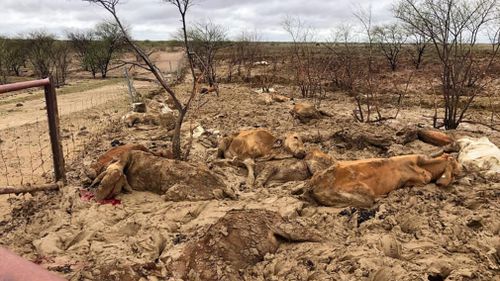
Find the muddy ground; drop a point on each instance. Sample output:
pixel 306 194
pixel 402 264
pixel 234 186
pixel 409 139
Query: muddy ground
pixel 438 234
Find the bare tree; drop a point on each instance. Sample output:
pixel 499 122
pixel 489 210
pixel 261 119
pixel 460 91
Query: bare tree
pixel 40 53
pixel 206 40
pixel 61 55
pixel 48 56
pixel 366 95
pixel 4 70
pixel 86 49
pixel 419 43
pixel 390 38
pixel 453 27
pixel 344 67
pixel 247 52
pixel 16 52
pixel 182 108
pixel 109 41
pixel 310 67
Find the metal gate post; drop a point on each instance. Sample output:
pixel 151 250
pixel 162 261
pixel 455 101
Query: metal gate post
pixel 54 131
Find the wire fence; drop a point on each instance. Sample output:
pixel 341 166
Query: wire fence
pixel 25 146
pixel 83 116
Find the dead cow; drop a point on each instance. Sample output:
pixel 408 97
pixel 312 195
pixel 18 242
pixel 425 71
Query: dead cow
pixel 143 171
pixel 480 155
pixel 243 148
pixel 235 242
pixel 357 183
pixel 109 157
pixel 165 120
pixel 434 137
pixel 270 98
pixel 292 169
pixel 306 112
pixel 260 143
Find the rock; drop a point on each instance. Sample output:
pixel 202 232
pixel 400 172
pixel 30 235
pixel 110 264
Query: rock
pixel 390 246
pixel 198 132
pixel 139 107
pixel 50 245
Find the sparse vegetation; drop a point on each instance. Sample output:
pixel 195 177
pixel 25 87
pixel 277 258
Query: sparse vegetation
pixel 453 27
pixel 324 140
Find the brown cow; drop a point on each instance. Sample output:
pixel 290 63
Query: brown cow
pixel 246 146
pixel 306 112
pixel 165 120
pixel 260 143
pixel 109 157
pixel 359 182
pixel 434 137
pixel 143 171
pixel 211 89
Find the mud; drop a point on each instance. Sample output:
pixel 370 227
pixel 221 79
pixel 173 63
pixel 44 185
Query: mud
pixel 414 233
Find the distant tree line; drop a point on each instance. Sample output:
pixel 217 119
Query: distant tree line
pixel 96 48
pixel 45 55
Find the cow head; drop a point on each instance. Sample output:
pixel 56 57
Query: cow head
pixel 453 169
pixel 294 145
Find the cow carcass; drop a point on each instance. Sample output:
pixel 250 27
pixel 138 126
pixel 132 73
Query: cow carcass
pixel 480 155
pixel 434 137
pixel 109 157
pixel 358 183
pixel 270 98
pixel 235 242
pixel 260 143
pixel 165 120
pixel 243 148
pixel 306 112
pixel 292 169
pixel 143 171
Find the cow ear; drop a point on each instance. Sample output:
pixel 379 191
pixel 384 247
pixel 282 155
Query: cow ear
pixel 278 143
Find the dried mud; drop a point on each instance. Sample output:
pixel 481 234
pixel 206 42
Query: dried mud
pixel 419 233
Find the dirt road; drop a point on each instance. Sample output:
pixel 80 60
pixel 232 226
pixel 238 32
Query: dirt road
pixel 31 111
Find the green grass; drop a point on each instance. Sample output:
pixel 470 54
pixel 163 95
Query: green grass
pixel 86 85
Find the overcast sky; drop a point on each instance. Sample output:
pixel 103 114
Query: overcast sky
pixel 156 20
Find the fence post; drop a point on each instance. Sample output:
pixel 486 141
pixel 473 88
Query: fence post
pixel 54 131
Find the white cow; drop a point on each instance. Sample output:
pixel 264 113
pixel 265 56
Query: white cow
pixel 480 155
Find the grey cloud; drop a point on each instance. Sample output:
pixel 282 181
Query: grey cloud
pixel 156 20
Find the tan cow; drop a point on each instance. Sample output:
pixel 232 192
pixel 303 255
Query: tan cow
pixel 434 137
pixel 245 147
pixel 249 146
pixel 306 112
pixel 165 120
pixel 143 171
pixel 260 143
pixel 357 183
pixel 111 156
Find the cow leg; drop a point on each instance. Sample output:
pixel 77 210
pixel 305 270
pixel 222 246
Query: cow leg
pixel 437 167
pixel 126 185
pixel 418 177
pixel 229 162
pixel 250 165
pixel 263 177
pixel 98 179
